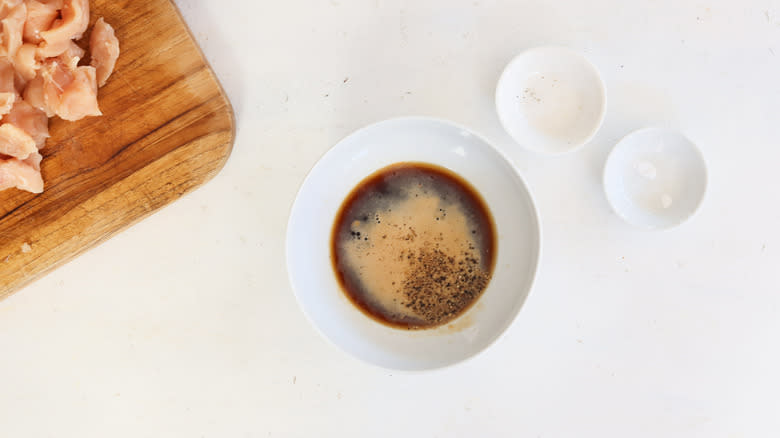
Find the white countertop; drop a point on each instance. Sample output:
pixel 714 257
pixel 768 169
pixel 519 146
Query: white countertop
pixel 185 325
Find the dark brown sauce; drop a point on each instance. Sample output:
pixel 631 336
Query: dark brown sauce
pixel 413 246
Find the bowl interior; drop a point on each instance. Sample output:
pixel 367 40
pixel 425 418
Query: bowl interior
pixel 655 178
pixel 551 100
pixel 340 170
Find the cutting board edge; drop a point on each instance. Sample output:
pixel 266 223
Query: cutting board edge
pixel 15 286
pixel 212 72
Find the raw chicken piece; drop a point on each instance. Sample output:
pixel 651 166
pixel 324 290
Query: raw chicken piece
pixel 13 24
pixel 20 84
pixel 104 47
pixel 30 120
pixel 6 76
pixel 34 161
pixel 7 5
pixel 70 93
pixel 33 94
pixel 25 63
pixel 75 19
pixel 79 99
pixel 72 55
pixel 6 102
pixel 16 143
pixel 20 174
pixel 43 92
pixel 56 76
pixel 7 90
pixel 40 16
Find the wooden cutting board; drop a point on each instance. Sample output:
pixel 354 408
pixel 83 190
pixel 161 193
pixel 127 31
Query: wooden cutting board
pixel 167 128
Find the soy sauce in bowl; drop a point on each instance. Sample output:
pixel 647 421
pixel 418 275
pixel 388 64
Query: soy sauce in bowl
pixel 413 246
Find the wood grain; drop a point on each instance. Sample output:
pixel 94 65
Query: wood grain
pixel 167 128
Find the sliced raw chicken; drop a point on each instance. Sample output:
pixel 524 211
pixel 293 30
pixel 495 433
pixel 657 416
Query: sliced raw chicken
pixel 20 174
pixel 40 77
pixel 16 143
pixel 104 47
pixel 30 120
pixel 13 24
pixel 40 16
pixel 72 25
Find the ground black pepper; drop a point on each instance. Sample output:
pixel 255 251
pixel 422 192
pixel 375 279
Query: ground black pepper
pixel 438 289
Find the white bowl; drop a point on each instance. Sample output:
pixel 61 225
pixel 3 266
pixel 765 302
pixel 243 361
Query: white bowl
pixel 655 178
pixel 551 100
pixel 340 170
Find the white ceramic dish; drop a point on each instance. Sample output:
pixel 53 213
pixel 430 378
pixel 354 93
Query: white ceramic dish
pixel 340 170
pixel 551 99
pixel 655 178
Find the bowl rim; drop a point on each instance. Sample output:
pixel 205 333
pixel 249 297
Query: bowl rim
pixel 610 162
pixel 570 52
pixel 536 262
